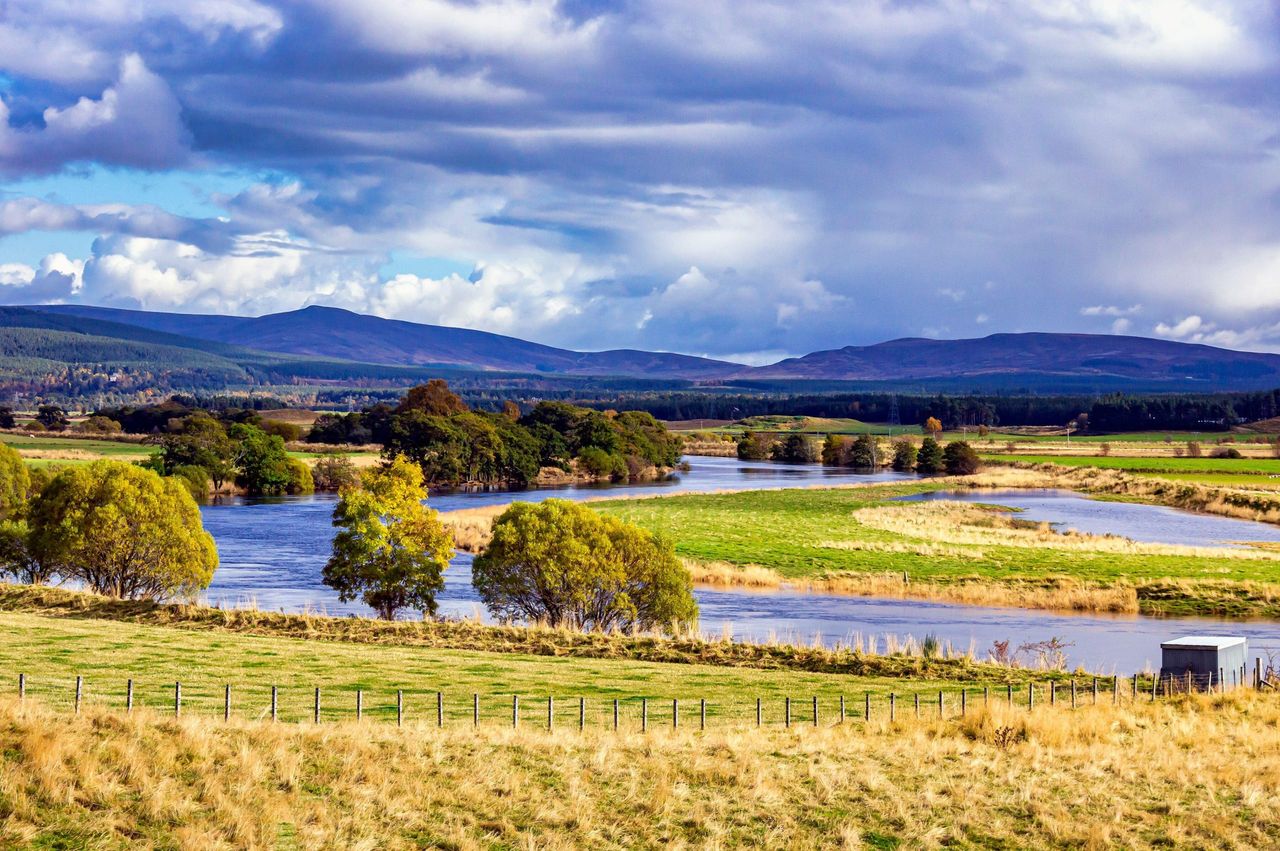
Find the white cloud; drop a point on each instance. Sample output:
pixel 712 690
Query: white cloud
pixel 1110 310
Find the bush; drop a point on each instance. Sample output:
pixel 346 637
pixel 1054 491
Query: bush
pixel 285 431
pixel 195 479
pixel 99 425
pixel 835 450
pixel 300 478
pixel 960 459
pixel 52 417
pixel 122 531
pixel 754 446
pixel 561 563
pixel 392 549
pixel 334 472
pixel 929 459
pixel 1193 449
pixel 1228 452
pixel 262 468
pixel 597 462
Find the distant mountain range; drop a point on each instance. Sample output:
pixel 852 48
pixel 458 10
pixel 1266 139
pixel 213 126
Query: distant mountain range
pixel 324 343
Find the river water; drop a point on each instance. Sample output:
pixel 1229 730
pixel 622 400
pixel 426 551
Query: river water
pixel 272 553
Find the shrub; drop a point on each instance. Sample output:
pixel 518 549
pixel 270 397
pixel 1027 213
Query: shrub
pixel 561 563
pixel 123 531
pixel 285 431
pixel 863 454
pixel 52 417
pixel 334 472
pixel 598 462
pixel 835 450
pixel 1193 449
pixel 391 550
pixel 929 458
pixel 1228 452
pixel 99 425
pixel 960 459
pixel 795 449
pixel 195 479
pixel 754 446
pixel 262 467
pixel 300 478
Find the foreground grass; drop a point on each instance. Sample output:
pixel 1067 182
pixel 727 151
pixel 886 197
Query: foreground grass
pixel 1193 773
pixel 841 535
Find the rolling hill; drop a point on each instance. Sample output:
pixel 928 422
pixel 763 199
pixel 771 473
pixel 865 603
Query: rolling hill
pixel 328 344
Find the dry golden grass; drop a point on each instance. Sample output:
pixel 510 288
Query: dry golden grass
pixel 1188 773
pixel 1056 593
pixel 726 575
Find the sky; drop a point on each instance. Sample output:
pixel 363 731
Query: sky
pixel 734 178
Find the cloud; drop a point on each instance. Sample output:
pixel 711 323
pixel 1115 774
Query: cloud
pixel 725 177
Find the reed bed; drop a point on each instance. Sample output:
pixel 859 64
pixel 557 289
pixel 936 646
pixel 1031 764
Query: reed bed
pixel 1188 773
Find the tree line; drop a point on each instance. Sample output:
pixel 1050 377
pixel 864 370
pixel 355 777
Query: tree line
pixel 453 443
pixel 864 452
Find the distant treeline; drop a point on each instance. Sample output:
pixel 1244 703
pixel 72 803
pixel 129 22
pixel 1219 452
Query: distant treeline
pixel 1113 412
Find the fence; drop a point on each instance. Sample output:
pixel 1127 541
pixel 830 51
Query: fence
pixel 298 704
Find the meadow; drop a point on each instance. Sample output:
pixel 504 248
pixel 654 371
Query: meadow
pixel 997 778
pixel 858 540
pixel 1145 464
pixel 48 450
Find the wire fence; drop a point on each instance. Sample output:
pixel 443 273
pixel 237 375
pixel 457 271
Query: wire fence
pixel 440 708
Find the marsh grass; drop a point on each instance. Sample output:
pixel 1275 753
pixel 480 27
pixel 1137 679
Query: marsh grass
pixel 1187 773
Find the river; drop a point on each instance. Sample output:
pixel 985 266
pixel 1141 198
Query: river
pixel 272 553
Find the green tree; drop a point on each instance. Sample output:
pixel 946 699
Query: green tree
pixel 796 449
pixel 15 482
pixel 391 550
pixel 200 441
pixel 52 417
pixel 262 465
pixel 7 419
pixel 863 454
pixel 929 458
pixel 15 487
pixel 300 479
pixel 123 531
pixel 960 459
pixel 561 563
pixel 904 456
pixel 835 450
pixel 754 446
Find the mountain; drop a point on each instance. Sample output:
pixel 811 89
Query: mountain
pixel 1007 359
pixel 331 333
pixel 328 344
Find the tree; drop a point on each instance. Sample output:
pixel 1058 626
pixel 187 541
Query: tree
pixel 52 417
pixel 795 449
pixel 123 531
pixel 15 485
pixel 932 427
pixel 15 481
pixel 835 450
pixel 262 465
pixel 929 458
pixel 960 459
pixel 904 456
pixel 863 454
pixel 200 441
pixel 511 410
pixel 433 398
pixel 392 549
pixel 7 419
pixel 99 425
pixel 561 563
pixel 754 446
pixel 334 472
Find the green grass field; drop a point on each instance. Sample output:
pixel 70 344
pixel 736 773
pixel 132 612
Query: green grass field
pixel 42 451
pixel 52 651
pixel 813 533
pixel 1248 466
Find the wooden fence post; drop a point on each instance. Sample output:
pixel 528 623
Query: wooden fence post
pixel 399 707
pixel 226 702
pixel 759 717
pixel 1008 688
pixel 315 708
pixel 964 701
pixel 128 696
pixel 644 715
pixel 1073 694
pixel 515 711
pixel 359 704
pixel 842 709
pixel 1257 673
pixel 273 703
pixel 615 714
pixel 582 714
pixel 917 696
pixel 815 710
pixel 866 706
pixel 177 699
pixel 22 686
pixel 1115 689
pixel 942 712
pixel 475 709
pixel 787 715
pixel 551 712
pixel 986 696
pixel 893 704
pixel 1053 693
pixel 1031 696
pixel 1095 691
pixel 439 709
pixel 675 713
pixel 79 691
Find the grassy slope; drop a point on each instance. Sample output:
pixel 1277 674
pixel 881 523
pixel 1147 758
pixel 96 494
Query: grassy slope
pixel 996 779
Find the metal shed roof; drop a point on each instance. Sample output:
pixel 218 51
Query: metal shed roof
pixel 1203 642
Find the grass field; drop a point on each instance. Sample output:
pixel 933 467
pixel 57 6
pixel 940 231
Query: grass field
pixel 857 532
pixel 1247 466
pixel 1188 773
pixel 43 451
